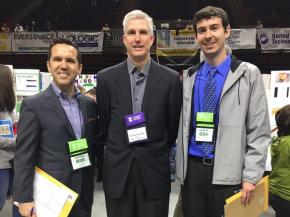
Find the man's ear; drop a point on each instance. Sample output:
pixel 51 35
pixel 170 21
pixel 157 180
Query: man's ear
pixel 47 65
pixel 228 31
pixel 80 68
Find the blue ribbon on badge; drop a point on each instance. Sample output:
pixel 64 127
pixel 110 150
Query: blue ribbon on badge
pixel 134 119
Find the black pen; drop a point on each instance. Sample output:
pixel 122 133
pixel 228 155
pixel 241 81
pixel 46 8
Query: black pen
pixel 32 211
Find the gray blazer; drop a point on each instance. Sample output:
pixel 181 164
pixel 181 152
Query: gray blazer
pixel 243 131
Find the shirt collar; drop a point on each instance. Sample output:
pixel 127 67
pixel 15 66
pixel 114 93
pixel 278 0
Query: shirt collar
pixel 60 94
pixel 131 66
pixel 223 68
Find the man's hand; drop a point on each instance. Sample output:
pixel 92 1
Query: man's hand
pixel 247 192
pixel 27 209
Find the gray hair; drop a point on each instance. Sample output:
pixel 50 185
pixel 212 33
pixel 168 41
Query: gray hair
pixel 138 14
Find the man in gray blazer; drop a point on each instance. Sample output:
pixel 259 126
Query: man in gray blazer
pixel 51 125
pixel 224 130
pixel 139 103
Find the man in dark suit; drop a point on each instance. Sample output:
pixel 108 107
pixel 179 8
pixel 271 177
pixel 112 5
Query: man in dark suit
pixel 139 102
pixel 50 124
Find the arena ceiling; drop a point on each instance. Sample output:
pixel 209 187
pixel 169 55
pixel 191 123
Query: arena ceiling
pixel 81 14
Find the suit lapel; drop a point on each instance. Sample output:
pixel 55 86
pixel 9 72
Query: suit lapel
pixel 123 89
pixel 151 92
pixel 54 102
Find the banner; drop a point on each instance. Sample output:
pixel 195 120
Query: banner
pixel 280 91
pixel 86 81
pixel 27 81
pixel 242 39
pixel 32 42
pixel 88 42
pixel 274 39
pixel 5 42
pixel 169 43
pixel 114 41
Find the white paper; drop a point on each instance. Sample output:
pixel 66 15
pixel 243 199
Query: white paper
pixel 48 197
pixel 137 134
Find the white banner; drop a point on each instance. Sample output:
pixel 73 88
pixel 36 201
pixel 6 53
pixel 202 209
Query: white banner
pixel 274 39
pixel 87 81
pixel 27 82
pixel 86 41
pixel 280 92
pixel 5 42
pixel 32 42
pixel 242 39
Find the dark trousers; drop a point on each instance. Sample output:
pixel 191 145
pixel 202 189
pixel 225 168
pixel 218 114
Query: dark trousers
pixel 134 202
pixel 200 198
pixel 5 175
pixel 281 206
pixel 15 211
pixel 100 161
pixel 80 208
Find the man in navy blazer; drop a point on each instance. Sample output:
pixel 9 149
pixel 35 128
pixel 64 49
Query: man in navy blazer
pixel 48 122
pixel 139 102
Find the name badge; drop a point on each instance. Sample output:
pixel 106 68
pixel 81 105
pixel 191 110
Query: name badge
pixel 78 151
pixel 205 129
pixel 204 134
pixel 134 119
pixel 137 134
pixel 80 161
pixel 136 128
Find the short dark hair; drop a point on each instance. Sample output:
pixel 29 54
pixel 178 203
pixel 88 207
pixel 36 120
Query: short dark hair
pixel 283 121
pixel 7 95
pixel 209 12
pixel 67 42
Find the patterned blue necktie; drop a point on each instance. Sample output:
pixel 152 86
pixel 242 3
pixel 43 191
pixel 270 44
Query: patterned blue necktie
pixel 209 105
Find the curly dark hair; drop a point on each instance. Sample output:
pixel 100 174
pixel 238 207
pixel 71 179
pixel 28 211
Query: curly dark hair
pixel 283 121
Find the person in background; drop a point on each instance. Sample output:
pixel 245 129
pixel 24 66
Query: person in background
pixel 172 163
pixel 279 179
pixel 7 137
pixel 51 124
pixel 18 28
pixel 107 30
pixel 81 88
pixel 5 28
pixel 34 26
pixel 224 130
pixel 139 102
pixel 91 93
pixel 26 28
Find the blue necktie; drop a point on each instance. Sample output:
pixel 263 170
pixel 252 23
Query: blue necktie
pixel 209 105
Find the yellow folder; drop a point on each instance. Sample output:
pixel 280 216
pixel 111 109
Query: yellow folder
pixel 51 197
pixel 257 206
pixel 72 196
